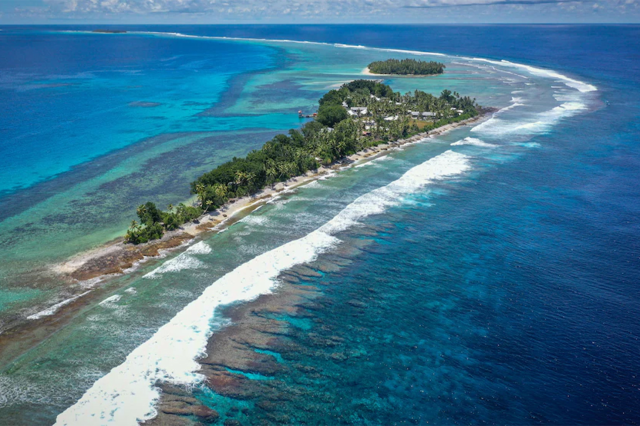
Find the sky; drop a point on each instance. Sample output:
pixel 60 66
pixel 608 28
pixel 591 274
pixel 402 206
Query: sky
pixel 317 11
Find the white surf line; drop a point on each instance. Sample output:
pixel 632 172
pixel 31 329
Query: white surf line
pixel 317 43
pixel 474 142
pixel 540 72
pixel 183 261
pixel 111 299
pixel 537 124
pixel 128 393
pixel 486 68
pixel 53 309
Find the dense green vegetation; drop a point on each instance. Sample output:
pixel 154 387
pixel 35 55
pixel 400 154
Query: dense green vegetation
pixel 153 221
pixel 406 67
pixel 338 131
pixel 329 115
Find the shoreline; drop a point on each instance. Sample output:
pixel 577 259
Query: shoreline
pixel 88 273
pixel 260 341
pixel 116 257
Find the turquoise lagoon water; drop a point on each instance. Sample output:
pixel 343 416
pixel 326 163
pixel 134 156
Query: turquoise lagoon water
pixel 491 262
pixel 121 128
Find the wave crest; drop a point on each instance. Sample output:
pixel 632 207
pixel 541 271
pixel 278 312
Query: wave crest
pixel 127 394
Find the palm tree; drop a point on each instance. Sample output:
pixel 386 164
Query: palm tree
pixel 181 211
pixel 272 173
pixel 220 191
pixel 250 178
pixel 201 191
pixel 282 169
pixel 267 147
pixel 141 210
pixel 290 169
pixel 241 177
pixel 131 236
pixel 271 170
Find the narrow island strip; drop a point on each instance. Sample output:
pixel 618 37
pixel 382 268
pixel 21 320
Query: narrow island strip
pixel 360 120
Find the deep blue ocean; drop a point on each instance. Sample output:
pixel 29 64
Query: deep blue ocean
pixel 508 296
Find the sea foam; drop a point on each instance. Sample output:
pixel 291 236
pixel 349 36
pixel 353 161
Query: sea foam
pixel 128 393
pixel 53 309
pixel 474 142
pixel 538 123
pixel 111 300
pixel 540 72
pixel 183 261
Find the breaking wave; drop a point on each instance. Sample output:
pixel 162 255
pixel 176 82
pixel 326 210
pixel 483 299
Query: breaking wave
pixel 540 72
pixel 111 300
pixel 183 261
pixel 53 309
pixel 539 123
pixel 127 394
pixel 474 142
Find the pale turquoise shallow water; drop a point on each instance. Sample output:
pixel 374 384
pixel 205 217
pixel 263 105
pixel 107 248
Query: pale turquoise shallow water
pixel 464 265
pixel 206 101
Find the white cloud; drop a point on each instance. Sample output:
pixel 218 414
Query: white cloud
pixel 276 7
pixel 326 10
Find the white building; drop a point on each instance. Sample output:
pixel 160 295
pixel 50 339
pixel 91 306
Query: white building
pixel 358 111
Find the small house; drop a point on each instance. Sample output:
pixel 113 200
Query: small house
pixel 358 111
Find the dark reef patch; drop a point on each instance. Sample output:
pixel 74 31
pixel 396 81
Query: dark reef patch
pixel 282 60
pixel 141 104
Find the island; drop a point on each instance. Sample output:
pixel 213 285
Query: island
pixel 359 115
pixel 406 67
